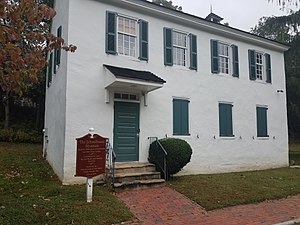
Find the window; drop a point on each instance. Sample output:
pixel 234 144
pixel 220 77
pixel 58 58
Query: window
pixel 180 117
pixel 126 96
pixel 261 121
pixel 125 36
pixel 224 58
pixel 225 120
pixel 57 52
pixel 180 49
pixel 259 66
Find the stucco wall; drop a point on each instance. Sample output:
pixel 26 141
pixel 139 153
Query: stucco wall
pixel 55 106
pixel 86 107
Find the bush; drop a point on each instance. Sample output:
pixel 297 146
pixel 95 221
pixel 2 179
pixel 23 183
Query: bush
pixel 179 154
pixel 19 135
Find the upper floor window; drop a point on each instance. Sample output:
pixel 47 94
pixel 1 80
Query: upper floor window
pixel 259 66
pixel 126 36
pixel 224 58
pixel 180 48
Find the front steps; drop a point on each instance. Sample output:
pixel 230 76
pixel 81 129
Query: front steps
pixel 136 175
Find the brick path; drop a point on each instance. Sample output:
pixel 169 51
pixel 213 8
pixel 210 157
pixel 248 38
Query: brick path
pixel 166 206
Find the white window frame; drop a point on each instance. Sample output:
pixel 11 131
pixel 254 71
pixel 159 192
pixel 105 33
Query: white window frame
pixel 259 76
pixel 221 56
pixel 181 47
pixel 128 34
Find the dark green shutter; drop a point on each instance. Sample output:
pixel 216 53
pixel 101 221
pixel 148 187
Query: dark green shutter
pixel 57 52
pixel 143 27
pixel 235 61
pixel 193 52
pixel 214 56
pixel 268 68
pixel 261 119
pixel 50 66
pixel 176 117
pixel 225 120
pixel 180 117
pixel 168 46
pixel 252 64
pixel 111 31
pixel 58 56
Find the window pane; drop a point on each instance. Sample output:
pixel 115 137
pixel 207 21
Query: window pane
pixel 127 36
pixel 223 51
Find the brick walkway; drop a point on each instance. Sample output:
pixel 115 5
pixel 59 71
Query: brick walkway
pixel 166 206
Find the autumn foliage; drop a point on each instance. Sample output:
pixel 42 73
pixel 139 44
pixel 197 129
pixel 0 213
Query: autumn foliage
pixel 25 41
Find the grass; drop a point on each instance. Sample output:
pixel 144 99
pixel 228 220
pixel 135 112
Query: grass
pixel 32 194
pixel 295 152
pixel 223 190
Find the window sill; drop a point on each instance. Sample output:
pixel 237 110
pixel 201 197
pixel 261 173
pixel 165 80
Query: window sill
pixel 227 137
pixel 263 138
pixel 183 135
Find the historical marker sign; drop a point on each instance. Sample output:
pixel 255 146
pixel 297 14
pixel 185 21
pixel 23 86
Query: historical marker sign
pixel 91 153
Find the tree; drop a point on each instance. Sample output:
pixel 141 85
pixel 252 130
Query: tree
pixel 285 3
pixel 25 41
pixel 168 4
pixel 286 29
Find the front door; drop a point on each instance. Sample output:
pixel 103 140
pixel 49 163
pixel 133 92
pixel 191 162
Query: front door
pixel 126 131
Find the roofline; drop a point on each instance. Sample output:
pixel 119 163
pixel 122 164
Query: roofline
pixel 205 24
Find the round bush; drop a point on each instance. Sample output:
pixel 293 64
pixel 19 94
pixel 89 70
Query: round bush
pixel 179 154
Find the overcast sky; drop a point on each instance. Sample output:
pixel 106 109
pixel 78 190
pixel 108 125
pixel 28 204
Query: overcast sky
pixel 241 14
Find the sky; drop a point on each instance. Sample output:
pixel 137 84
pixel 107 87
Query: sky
pixel 240 14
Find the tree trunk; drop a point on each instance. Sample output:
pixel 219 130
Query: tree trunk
pixel 7 111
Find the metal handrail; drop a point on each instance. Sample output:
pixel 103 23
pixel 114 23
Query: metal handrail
pixel 110 160
pixel 164 166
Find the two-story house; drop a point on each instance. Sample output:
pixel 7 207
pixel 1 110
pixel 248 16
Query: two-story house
pixel 142 70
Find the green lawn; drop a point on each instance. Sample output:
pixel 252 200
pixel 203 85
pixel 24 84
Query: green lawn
pixel 223 190
pixel 31 194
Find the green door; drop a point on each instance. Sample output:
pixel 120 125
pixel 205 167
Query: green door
pixel 126 131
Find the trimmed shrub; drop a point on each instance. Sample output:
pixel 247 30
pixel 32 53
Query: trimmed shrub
pixel 179 154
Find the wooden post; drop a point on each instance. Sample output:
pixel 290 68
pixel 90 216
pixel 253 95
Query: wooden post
pixel 89 189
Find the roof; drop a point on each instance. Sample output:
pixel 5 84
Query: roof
pixel 134 74
pixel 220 26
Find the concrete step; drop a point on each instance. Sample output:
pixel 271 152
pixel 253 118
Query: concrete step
pixel 140 184
pixel 128 177
pixel 136 175
pixel 133 167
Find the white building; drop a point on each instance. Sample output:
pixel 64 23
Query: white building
pixel 142 70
